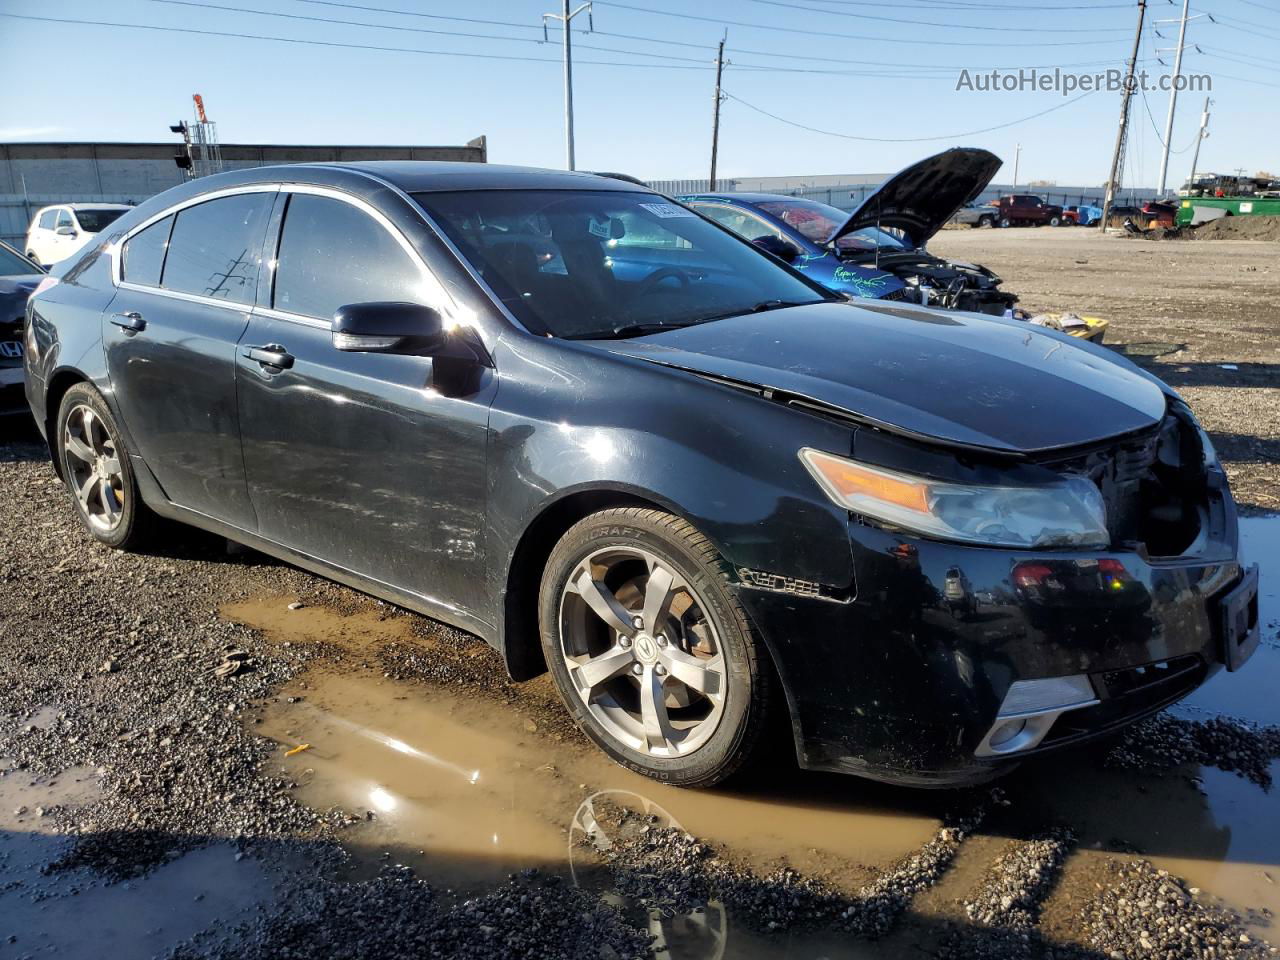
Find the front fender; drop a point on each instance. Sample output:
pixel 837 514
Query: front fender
pixel 723 459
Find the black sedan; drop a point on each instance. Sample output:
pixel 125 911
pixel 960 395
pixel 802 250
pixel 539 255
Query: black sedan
pixel 620 443
pixel 19 278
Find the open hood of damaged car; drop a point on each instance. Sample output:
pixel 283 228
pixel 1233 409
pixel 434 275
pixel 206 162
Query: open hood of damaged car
pixel 960 379
pixel 921 198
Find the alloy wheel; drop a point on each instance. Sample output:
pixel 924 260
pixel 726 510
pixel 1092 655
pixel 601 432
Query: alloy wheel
pixel 93 466
pixel 641 652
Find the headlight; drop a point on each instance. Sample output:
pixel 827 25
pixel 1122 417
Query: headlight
pixel 1068 512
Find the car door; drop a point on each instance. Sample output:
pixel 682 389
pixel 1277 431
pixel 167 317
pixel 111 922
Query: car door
pixel 65 237
pixel 188 283
pixel 358 459
pixel 38 242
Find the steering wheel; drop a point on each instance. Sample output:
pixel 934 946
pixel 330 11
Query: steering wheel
pixel 650 283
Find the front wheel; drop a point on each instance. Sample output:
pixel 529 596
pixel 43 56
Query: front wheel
pixel 96 468
pixel 1005 222
pixel 985 222
pixel 649 649
pixel 1055 221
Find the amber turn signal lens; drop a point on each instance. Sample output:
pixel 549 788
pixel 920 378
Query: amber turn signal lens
pixel 848 480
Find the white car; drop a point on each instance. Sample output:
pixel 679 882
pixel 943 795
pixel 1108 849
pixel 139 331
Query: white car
pixel 59 231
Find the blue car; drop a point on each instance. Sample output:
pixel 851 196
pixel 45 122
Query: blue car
pixel 878 250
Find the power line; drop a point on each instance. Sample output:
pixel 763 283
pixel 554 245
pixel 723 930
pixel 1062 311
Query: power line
pixel 924 71
pixel 719 21
pixel 336 44
pixel 924 23
pixel 948 136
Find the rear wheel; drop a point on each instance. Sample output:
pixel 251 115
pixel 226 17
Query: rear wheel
pixel 986 221
pixel 97 471
pixel 1055 221
pixel 1006 222
pixel 650 651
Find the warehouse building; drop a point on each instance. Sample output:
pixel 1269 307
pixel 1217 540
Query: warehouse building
pixel 33 175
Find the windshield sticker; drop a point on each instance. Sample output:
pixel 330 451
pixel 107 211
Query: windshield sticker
pixel 667 210
pixel 601 228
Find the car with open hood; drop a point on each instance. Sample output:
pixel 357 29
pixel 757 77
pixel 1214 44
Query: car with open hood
pixel 879 250
pixel 19 278
pixel 623 445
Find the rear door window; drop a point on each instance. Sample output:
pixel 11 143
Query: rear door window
pixel 47 218
pixel 215 248
pixel 333 254
pixel 144 253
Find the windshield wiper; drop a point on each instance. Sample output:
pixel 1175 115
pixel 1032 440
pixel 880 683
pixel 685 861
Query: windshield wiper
pixel 763 306
pixel 633 330
pixel 640 329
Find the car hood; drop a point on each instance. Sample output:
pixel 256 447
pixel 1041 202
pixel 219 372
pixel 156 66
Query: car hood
pixel 921 198
pixel 960 379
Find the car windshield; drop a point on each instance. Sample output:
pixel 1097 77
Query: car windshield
pixel 97 220
pixel 582 264
pixel 818 221
pixel 12 265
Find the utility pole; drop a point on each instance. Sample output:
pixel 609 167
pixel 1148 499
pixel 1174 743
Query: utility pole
pixel 1173 96
pixel 565 17
pixel 715 116
pixel 1204 132
pixel 1117 158
pixel 1017 159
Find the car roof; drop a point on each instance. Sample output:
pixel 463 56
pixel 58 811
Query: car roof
pixel 423 176
pixel 85 206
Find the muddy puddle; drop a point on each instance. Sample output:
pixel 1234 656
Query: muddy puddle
pixel 466 791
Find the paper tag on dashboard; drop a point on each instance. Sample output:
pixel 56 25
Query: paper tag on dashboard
pixel 668 210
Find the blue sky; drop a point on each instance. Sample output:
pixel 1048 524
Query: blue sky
pixel 884 69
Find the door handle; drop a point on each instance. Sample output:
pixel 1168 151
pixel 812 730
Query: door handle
pixel 271 355
pixel 132 321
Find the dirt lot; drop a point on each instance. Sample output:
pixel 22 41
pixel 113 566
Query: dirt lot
pixel 207 754
pixel 1203 315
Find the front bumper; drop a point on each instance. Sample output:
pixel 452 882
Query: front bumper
pixel 902 677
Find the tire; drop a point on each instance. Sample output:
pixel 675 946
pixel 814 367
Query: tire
pixel 98 473
pixel 697 733
pixel 1005 222
pixel 1055 221
pixel 986 221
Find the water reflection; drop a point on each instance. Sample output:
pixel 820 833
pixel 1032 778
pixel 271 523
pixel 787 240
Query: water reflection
pixel 699 934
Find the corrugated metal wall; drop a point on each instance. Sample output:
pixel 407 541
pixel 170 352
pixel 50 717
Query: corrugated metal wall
pixel 33 175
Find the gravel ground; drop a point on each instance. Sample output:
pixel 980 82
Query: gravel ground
pixel 1144 912
pixel 1167 742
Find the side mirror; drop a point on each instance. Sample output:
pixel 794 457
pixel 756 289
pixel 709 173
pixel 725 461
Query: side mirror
pixel 784 250
pixel 389 327
pixel 65 231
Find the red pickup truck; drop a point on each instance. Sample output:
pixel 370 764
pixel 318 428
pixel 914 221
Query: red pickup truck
pixel 1024 209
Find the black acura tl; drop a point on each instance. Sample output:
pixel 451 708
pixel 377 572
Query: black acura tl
pixel 617 442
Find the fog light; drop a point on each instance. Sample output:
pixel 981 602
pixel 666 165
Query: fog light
pixel 1005 732
pixel 1030 708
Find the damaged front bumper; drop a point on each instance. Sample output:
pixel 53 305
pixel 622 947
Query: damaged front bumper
pixel 944 662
